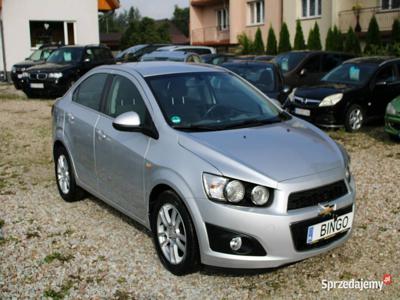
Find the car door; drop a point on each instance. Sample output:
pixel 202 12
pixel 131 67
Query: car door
pixel 120 156
pixel 386 88
pixel 310 73
pixel 81 118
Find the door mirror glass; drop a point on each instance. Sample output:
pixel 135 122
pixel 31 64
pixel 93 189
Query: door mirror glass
pixel 303 72
pixel 129 121
pixel 286 89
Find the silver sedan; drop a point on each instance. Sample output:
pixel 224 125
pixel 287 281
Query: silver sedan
pixel 218 173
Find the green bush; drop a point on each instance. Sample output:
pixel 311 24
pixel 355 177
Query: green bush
pixel 272 47
pixel 396 31
pixel 314 38
pixel 330 41
pixel 351 43
pixel 258 45
pixel 245 43
pixel 284 39
pixel 373 37
pixel 338 39
pixel 299 42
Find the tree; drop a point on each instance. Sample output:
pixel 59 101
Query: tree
pixel 271 42
pixel 373 37
pixel 396 31
pixel 314 38
pixel 258 44
pixel 181 19
pixel 351 43
pixel 246 43
pixel 299 42
pixel 330 40
pixel 284 39
pixel 337 39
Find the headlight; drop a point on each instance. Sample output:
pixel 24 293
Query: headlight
pixel 55 75
pixel 390 110
pixel 25 74
pixel 235 191
pixel 291 95
pixel 259 195
pixel 331 100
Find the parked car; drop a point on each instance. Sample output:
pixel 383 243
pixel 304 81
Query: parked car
pixel 200 50
pixel 176 56
pixel 62 68
pixel 254 57
pixel 135 53
pixel 358 90
pixel 216 59
pixel 264 57
pixel 38 57
pixel 301 68
pixel 265 76
pixel 392 118
pixel 217 172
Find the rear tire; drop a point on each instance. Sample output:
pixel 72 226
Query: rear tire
pixel 174 235
pixel 354 118
pixel 65 177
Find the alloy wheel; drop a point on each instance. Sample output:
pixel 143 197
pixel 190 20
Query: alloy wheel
pixel 356 119
pixel 63 176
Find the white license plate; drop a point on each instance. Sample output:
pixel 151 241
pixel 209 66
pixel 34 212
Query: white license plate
pixel 37 85
pixel 302 112
pixel 328 228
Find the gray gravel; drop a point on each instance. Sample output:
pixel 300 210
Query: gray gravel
pixel 87 250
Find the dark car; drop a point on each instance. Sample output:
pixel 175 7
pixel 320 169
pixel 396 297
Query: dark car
pixel 62 68
pixel 308 67
pixel 356 91
pixel 36 58
pixel 216 59
pixel 266 76
pixel 135 53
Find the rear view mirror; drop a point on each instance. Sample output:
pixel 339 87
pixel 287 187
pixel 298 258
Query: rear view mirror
pixel 129 121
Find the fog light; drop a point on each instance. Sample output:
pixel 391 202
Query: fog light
pixel 236 243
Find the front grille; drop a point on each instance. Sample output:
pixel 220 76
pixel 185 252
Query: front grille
pixel 299 231
pixel 306 101
pixel 38 76
pixel 317 195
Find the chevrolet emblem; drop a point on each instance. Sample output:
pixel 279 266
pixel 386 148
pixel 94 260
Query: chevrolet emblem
pixel 326 210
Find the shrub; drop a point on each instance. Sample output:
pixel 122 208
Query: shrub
pixel 272 47
pixel 373 36
pixel 351 43
pixel 284 39
pixel 258 45
pixel 245 43
pixel 338 39
pixel 330 41
pixel 314 38
pixel 299 42
pixel 396 31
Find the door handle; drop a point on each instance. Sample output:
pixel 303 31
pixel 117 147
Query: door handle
pixel 71 117
pixel 101 134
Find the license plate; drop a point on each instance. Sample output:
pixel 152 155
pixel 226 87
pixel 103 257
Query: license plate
pixel 302 112
pixel 37 85
pixel 329 228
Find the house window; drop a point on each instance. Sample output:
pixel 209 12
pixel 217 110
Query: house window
pixel 390 4
pixel 223 19
pixel 311 8
pixel 256 12
pixel 51 32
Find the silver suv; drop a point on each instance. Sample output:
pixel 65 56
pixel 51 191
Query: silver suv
pixel 217 172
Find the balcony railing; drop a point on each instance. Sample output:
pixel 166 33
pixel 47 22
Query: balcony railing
pixel 205 2
pixel 210 36
pixel 385 18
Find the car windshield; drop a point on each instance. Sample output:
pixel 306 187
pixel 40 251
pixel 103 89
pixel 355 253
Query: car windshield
pixel 354 74
pixel 289 61
pixel 211 101
pixel 36 55
pixel 130 50
pixel 262 76
pixel 66 56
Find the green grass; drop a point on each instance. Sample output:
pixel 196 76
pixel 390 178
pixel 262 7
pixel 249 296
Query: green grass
pixel 57 256
pixel 61 294
pixel 2 222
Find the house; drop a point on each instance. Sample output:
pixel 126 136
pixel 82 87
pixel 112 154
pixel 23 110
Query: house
pixel 27 24
pixel 219 22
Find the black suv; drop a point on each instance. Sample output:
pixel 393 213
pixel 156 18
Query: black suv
pixel 36 58
pixel 308 67
pixel 358 90
pixel 62 68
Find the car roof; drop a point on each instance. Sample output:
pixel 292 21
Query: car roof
pixel 249 63
pixel 316 51
pixel 376 60
pixel 153 68
pixel 175 54
pixel 174 47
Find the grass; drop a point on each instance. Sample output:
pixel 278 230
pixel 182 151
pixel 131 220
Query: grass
pixel 2 222
pixel 61 294
pixel 57 256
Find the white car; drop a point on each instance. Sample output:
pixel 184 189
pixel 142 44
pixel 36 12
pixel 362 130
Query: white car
pixel 200 50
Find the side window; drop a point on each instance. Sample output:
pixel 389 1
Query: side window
pixel 330 61
pixel 124 97
pixel 89 91
pixel 89 55
pixel 386 74
pixel 313 64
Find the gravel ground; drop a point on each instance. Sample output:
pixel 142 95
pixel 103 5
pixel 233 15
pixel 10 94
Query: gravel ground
pixel 87 250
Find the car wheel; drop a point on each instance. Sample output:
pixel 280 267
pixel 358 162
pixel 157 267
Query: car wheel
pixel 174 234
pixel 354 119
pixel 65 178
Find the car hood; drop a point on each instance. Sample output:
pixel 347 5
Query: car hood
pixel 50 67
pixel 279 151
pixel 28 63
pixel 320 91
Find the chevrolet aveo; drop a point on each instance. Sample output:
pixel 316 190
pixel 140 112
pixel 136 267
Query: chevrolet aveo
pixel 218 173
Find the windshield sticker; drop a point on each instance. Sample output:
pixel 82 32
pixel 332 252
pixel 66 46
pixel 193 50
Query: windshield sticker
pixel 354 73
pixel 176 119
pixel 67 56
pixel 285 65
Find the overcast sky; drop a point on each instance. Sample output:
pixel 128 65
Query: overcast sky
pixel 157 9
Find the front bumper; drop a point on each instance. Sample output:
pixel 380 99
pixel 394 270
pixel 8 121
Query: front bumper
pixel 51 87
pixel 392 125
pixel 16 78
pixel 272 227
pixel 330 117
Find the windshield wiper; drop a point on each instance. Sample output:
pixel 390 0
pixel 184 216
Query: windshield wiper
pixel 253 123
pixel 195 128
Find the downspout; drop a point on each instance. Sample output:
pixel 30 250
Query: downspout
pixel 3 47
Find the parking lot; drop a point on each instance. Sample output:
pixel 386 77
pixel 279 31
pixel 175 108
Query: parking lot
pixel 87 250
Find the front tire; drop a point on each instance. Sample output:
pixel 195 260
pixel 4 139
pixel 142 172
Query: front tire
pixel 65 178
pixel 174 234
pixel 354 118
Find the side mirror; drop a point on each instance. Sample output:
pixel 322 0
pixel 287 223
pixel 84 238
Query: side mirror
pixel 303 72
pixel 129 121
pixel 286 89
pixel 381 83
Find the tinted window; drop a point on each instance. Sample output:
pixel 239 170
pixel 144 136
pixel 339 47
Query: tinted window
pixel 197 51
pixel 89 54
pixel 348 73
pixel 386 74
pixel 124 97
pixel 289 61
pixel 101 54
pixel 66 56
pixel 313 64
pixel 89 91
pixel 330 61
pixel 36 55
